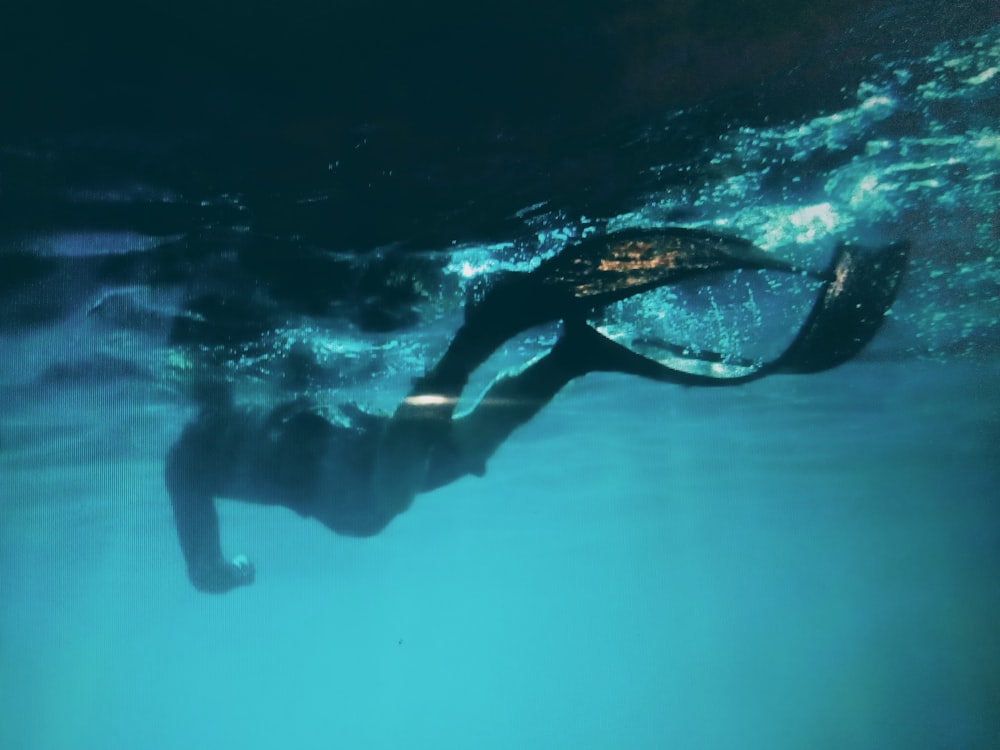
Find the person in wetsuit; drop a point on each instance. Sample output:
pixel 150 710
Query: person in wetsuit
pixel 356 477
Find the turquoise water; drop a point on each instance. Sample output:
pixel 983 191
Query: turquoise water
pixel 801 562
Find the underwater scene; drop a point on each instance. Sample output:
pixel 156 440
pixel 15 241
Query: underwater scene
pixel 538 375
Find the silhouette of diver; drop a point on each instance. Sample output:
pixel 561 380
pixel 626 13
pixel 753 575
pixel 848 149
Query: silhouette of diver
pixel 355 478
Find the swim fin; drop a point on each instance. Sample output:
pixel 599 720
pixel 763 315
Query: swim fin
pixel 859 288
pixel 601 270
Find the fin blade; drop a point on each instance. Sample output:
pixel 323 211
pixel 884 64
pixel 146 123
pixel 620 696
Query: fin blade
pixel 851 307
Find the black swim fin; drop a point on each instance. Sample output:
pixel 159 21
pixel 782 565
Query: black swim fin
pixel 859 288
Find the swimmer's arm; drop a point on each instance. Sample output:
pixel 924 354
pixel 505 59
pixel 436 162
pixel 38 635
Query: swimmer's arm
pixel 197 524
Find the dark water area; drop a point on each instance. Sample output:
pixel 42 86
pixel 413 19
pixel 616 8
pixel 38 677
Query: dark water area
pixel 297 200
pixel 357 125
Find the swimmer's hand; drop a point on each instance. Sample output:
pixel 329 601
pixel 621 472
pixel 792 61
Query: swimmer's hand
pixel 221 576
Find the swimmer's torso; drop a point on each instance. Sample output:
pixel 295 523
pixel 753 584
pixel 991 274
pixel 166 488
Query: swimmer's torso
pixel 289 456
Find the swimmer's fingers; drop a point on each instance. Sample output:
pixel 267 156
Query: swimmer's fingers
pixel 243 570
pixel 223 576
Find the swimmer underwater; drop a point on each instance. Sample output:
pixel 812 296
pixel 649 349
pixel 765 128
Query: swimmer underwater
pixel 356 477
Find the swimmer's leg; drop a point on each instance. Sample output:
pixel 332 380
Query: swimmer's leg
pixel 421 425
pixel 420 430
pixel 515 398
